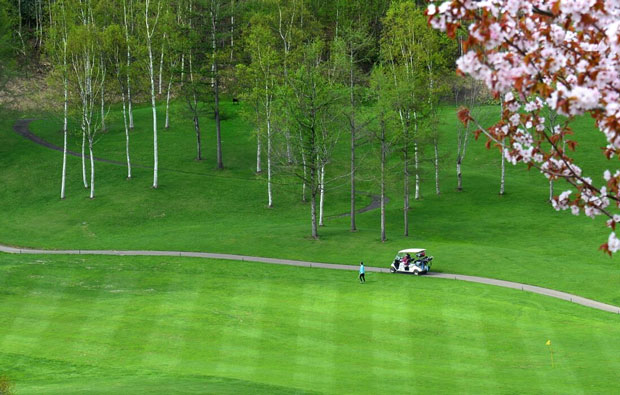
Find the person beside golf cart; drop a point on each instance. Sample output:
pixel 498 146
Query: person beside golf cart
pixel 411 261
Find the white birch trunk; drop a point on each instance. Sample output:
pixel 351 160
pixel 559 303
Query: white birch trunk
pixel 182 69
pixel 259 168
pixel 502 181
pixel 437 191
pixel 167 125
pixel 383 236
pixel 92 168
pixel 65 82
pixel 269 191
pixel 550 190
pixel 149 35
pixel 405 125
pixel 129 105
pixel 353 142
pixel 322 196
pixel 459 181
pixel 232 30
pixel 305 170
pixel 161 65
pixel 215 83
pixel 315 230
pixel 462 139
pixel 126 136
pixel 84 179
pixel 416 158
pixel 103 127
pixel 213 41
pixel 19 26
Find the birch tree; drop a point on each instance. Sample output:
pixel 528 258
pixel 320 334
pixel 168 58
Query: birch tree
pixel 129 25
pixel 198 51
pixel 401 51
pixel 85 63
pixel 57 49
pixel 151 17
pixel 215 15
pixel 114 48
pixel 470 93
pixel 312 104
pixel 382 132
pixel 292 24
pixel 356 44
pixel 264 68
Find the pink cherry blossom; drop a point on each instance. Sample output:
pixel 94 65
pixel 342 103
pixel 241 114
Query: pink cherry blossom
pixel 560 54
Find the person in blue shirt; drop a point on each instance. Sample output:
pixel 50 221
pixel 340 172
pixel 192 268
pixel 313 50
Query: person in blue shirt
pixel 362 271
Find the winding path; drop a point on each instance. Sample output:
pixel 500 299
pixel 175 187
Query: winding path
pixel 21 127
pixel 482 280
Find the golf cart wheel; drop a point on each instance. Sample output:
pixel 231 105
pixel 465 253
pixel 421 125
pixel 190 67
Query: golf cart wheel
pixel 392 270
pixel 416 273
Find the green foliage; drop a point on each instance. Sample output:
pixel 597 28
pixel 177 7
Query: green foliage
pixel 7 44
pixel 312 102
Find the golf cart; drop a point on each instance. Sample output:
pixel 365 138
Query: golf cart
pixel 411 261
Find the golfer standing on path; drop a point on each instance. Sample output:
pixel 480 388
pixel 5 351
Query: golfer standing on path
pixel 362 276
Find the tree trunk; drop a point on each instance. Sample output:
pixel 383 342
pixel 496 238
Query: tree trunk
pixel 84 159
pixel 550 190
pixel 232 30
pixel 315 231
pixel 65 132
pixel 352 123
pixel 322 196
pixel 216 83
pixel 194 107
pixel 103 127
pixel 218 128
pixel 259 168
pixel 126 135
pixel 459 176
pixel 502 181
pixel 406 189
pixel 197 130
pixel 416 156
pixel 129 104
pixel 19 26
pixel 167 125
pixel 182 69
pixel 383 236
pixel 149 35
pixel 269 192
pixel 436 143
pixel 305 170
pixel 92 167
pixel 353 168
pixel 161 65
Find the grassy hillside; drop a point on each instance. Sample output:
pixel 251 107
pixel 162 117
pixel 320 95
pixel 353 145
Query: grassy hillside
pixel 152 325
pixel 514 237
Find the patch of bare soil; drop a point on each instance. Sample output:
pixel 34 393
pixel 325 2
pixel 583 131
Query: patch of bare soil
pixel 31 91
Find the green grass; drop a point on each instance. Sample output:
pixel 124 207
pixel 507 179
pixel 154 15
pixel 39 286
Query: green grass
pixel 514 237
pixel 172 325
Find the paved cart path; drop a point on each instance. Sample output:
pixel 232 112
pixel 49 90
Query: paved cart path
pixel 21 127
pixel 482 280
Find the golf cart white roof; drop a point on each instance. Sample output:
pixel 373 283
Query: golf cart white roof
pixel 411 250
